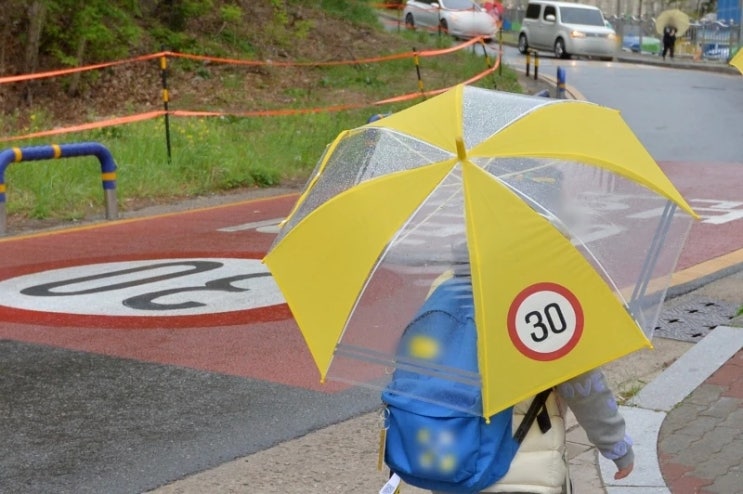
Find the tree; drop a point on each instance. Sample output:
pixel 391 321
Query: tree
pixel 36 13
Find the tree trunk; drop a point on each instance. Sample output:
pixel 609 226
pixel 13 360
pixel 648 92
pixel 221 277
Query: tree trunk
pixel 36 18
pixel 79 56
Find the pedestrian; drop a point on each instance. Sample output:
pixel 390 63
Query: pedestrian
pixel 669 41
pixel 541 465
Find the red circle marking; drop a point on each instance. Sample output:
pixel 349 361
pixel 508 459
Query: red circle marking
pixel 565 348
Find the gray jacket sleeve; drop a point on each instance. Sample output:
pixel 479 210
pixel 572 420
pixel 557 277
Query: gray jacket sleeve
pixel 592 401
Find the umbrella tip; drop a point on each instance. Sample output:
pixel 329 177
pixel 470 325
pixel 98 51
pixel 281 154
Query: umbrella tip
pixel 461 152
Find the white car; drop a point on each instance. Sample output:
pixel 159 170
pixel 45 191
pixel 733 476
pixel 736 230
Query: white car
pixel 566 29
pixel 459 18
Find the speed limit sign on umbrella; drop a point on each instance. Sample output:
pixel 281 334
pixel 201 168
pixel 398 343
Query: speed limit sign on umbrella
pixel 545 321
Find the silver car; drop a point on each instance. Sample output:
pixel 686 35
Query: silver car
pixel 567 29
pixel 460 18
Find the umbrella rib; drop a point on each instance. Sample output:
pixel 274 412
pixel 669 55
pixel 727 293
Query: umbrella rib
pixel 403 234
pixel 521 172
pixel 652 258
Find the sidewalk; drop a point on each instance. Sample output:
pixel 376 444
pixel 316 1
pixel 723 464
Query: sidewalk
pixel 679 62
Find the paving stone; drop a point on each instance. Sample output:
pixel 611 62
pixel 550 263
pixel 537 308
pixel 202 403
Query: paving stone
pixel 699 426
pixel 688 485
pixel 735 419
pixel 735 390
pixel 678 420
pixel 712 467
pixel 676 443
pixel 673 471
pixel 704 395
pixel 722 407
pixel 727 484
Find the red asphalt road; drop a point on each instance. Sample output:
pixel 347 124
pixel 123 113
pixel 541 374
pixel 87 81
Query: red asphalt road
pixel 262 343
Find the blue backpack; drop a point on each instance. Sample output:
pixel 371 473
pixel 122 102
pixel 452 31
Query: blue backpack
pixel 438 447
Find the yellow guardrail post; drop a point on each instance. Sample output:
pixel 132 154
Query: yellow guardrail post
pixel 416 60
pixel 166 99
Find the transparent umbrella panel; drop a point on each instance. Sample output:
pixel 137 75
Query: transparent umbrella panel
pixel 476 184
pixel 629 234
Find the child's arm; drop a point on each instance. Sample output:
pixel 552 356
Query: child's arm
pixel 594 406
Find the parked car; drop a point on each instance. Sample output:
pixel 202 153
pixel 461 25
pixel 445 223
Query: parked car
pixel 716 51
pixel 567 29
pixel 459 18
pixel 650 44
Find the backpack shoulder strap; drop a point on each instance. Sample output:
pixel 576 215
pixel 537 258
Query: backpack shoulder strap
pixel 536 410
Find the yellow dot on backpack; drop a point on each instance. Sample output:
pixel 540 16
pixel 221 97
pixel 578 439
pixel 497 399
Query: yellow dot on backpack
pixel 423 436
pixel 424 347
pixel 448 463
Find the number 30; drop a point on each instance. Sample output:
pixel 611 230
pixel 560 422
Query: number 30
pixel 549 320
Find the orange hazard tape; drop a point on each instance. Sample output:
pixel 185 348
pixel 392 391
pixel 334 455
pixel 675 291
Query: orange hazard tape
pixel 61 72
pixel 64 72
pixel 273 63
pixel 258 113
pixel 89 126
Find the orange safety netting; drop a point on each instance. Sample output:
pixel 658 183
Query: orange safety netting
pixel 256 113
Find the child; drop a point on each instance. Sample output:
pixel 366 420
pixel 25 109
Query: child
pixel 540 466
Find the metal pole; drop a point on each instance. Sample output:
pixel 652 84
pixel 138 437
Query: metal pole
pixel 418 71
pixel 166 98
pixel 500 50
pixel 55 151
pixel 560 83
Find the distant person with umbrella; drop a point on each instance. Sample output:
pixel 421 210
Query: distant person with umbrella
pixel 669 40
pixel 671 23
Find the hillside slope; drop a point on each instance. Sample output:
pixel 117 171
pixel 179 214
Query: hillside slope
pixel 300 32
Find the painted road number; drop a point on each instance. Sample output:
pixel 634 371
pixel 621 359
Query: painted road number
pixel 155 287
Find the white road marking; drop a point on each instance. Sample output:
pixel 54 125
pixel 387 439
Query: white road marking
pixel 152 287
pixel 262 226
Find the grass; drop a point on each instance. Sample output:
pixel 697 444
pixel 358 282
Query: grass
pixel 629 391
pixel 219 154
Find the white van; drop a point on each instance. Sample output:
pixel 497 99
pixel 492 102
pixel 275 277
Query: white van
pixel 567 29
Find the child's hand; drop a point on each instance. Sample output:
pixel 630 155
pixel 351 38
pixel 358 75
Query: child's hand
pixel 622 473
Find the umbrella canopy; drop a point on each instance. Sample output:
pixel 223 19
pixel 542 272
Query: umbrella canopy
pixel 673 18
pixel 566 226
pixel 737 61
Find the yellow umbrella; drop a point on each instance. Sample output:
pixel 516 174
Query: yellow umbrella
pixel 562 211
pixel 673 18
pixel 737 61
